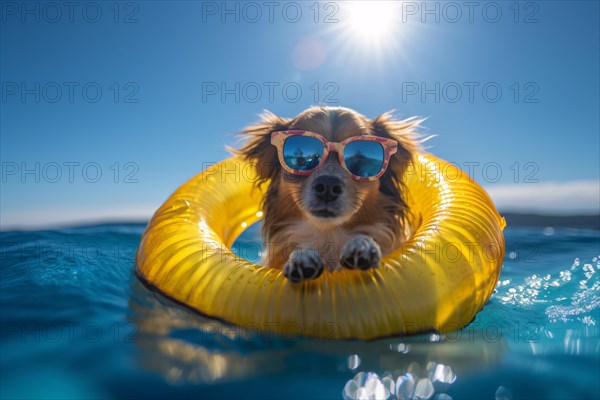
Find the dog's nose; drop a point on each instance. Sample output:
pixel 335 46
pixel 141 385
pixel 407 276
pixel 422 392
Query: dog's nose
pixel 328 187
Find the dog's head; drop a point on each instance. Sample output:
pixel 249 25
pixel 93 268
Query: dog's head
pixel 329 196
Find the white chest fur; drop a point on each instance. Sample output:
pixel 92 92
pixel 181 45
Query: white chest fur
pixel 328 242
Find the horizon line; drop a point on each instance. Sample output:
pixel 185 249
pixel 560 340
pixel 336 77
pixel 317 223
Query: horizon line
pixel 139 220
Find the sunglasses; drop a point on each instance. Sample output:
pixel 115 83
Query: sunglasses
pixel 365 157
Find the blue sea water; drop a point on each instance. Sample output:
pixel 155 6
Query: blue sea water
pixel 77 323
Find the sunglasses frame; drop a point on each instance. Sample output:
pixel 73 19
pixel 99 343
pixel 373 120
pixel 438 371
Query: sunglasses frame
pixel 390 147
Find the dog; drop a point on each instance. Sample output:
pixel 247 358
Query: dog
pixel 331 211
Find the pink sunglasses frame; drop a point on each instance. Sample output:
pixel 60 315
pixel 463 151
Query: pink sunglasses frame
pixel 390 147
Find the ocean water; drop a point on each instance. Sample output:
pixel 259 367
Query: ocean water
pixel 77 323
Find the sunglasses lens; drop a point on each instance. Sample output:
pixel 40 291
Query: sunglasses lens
pixel 364 158
pixel 302 153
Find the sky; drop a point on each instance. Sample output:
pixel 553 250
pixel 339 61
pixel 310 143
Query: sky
pixel 108 107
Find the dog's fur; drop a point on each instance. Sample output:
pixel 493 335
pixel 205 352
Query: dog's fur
pixel 369 219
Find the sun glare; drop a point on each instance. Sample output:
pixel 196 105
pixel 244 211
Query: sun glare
pixel 369 34
pixel 371 22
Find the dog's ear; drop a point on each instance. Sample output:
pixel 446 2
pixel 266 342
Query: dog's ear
pixel 405 132
pixel 258 148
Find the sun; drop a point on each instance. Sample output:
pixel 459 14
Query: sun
pixel 371 23
pixel 370 34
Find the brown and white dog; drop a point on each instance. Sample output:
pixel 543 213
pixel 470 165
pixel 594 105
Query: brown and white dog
pixel 364 220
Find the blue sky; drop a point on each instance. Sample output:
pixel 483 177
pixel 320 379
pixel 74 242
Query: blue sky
pixel 162 113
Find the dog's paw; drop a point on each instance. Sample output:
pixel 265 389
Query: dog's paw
pixel 360 252
pixel 304 263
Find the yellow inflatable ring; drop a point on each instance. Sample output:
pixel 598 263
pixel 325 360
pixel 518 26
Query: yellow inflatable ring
pixel 437 281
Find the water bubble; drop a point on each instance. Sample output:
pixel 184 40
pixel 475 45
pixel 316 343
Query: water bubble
pixel 584 301
pixel 565 276
pixel 431 368
pixel 588 270
pixel 443 373
pixel 434 337
pixel 588 320
pixel 353 361
pixel 512 255
pixel 405 387
pixel 503 393
pixel 548 231
pixel 400 347
pixel 424 389
pixel 389 384
pixel 180 205
pixel 360 379
pixel 349 392
pixel 361 394
pixel 371 375
pixel 375 389
pixel 367 386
